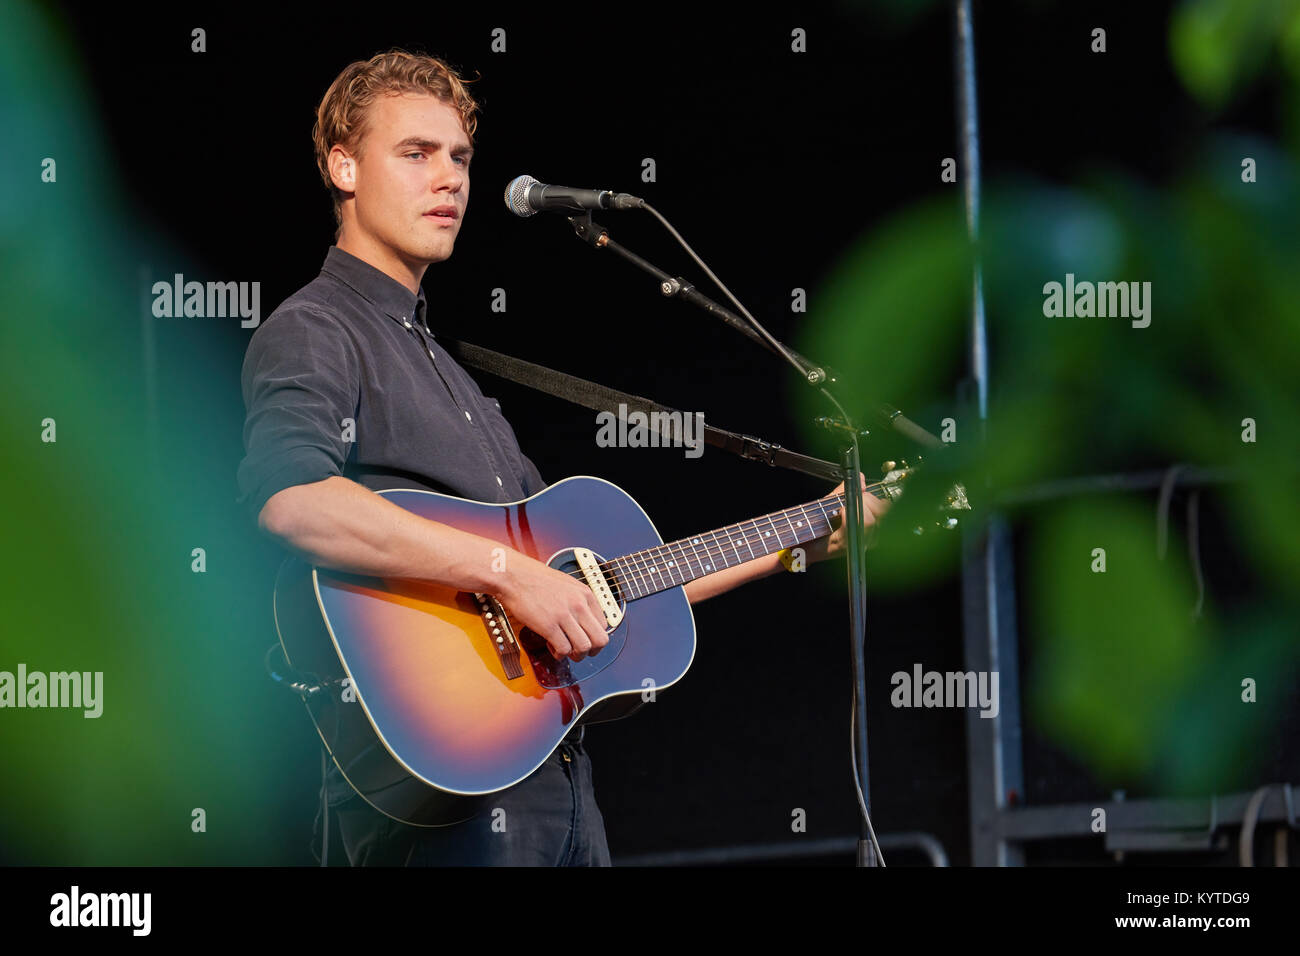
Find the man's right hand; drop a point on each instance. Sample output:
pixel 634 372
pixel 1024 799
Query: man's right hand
pixel 556 606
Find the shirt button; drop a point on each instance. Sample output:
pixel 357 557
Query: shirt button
pixel 407 324
pixel 432 356
pixel 499 481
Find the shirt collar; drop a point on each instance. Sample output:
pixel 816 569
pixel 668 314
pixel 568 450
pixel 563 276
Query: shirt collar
pixel 379 289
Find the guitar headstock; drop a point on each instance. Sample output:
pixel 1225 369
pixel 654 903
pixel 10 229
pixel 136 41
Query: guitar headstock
pixel 895 472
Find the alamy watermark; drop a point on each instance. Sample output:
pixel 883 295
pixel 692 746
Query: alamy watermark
pixel 212 300
pixel 947 689
pixel 1129 300
pixel 75 908
pixel 56 689
pixel 653 430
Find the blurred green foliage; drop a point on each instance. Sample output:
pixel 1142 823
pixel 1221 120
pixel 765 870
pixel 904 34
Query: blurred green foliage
pixel 95 572
pixel 1124 677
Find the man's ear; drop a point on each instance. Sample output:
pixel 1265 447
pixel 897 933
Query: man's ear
pixel 343 169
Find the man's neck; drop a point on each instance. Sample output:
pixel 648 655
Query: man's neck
pixel 383 258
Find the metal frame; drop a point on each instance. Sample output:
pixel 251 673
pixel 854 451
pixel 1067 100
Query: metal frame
pixel 999 823
pixel 773 852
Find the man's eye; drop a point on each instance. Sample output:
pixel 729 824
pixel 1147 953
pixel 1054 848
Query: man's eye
pixel 417 154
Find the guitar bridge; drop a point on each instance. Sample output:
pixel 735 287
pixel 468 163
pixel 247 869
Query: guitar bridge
pixel 502 634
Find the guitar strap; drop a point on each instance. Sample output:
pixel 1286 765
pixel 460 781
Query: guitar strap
pixel 603 399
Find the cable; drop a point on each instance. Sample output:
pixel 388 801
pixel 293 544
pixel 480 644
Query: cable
pixel 324 810
pixel 1193 530
pixel 1246 846
pixel 860 653
pixel 857 782
pixel 1162 509
pixel 1194 548
pixel 1249 819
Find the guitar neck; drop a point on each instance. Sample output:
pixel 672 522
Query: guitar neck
pixel 647 572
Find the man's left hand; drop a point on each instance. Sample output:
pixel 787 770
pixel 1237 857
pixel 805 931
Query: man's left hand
pixel 833 545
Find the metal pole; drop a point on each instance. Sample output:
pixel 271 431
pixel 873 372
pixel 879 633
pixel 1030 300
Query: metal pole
pixel 989 629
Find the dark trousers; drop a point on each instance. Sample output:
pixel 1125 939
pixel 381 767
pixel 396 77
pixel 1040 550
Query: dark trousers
pixel 549 818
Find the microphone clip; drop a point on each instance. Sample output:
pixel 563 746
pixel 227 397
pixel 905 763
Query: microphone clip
pixel 593 233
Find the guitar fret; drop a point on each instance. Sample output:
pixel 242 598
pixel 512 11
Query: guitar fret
pixel 824 514
pixel 651 569
pixel 804 523
pixel 778 532
pixel 793 533
pixel 685 562
pixel 729 547
pixel 684 545
pixel 634 577
pixel 641 569
pixel 654 568
pixel 734 551
pixel 713 560
pixel 752 555
pixel 623 567
pixel 673 567
pixel 662 561
pixel 698 545
pixel 666 561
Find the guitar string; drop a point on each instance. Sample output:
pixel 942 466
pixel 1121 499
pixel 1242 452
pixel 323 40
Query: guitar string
pixel 627 570
pixel 709 552
pixel 706 550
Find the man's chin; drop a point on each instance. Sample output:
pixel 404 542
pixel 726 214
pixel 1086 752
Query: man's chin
pixel 434 252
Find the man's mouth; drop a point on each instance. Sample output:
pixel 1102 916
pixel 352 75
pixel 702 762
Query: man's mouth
pixel 442 214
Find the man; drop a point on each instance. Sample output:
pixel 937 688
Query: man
pixel 347 391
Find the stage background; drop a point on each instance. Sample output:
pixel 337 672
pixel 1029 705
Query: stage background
pixel 819 171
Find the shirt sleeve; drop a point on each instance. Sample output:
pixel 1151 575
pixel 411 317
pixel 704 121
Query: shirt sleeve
pixel 301 379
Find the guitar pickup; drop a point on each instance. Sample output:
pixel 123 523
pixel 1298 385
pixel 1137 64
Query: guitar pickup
pixel 599 585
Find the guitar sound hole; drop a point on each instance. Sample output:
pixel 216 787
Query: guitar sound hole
pixel 564 672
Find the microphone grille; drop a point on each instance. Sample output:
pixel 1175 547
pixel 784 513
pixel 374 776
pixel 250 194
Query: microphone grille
pixel 517 195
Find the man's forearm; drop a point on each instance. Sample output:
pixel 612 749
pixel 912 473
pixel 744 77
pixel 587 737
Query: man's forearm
pixel 337 523
pixel 719 582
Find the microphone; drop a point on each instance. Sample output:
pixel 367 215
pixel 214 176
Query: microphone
pixel 525 196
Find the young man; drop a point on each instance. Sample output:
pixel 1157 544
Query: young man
pixel 348 391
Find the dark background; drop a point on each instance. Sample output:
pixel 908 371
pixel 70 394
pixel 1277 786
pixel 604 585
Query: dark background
pixel 770 164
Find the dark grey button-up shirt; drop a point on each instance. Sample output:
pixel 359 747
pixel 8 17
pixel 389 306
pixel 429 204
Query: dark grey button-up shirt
pixel 345 378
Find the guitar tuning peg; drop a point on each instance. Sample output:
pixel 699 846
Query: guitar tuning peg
pixel 887 467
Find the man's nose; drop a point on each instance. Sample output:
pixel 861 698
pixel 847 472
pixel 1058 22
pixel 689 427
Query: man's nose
pixel 448 174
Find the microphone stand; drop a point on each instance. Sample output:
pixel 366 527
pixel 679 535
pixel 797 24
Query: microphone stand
pixel 851 468
pixel 597 236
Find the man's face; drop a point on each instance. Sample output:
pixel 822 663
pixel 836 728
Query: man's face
pixel 414 160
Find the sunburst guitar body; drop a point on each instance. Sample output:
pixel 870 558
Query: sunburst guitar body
pixel 434 696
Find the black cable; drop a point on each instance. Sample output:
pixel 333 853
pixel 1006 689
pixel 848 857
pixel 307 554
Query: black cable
pixel 325 810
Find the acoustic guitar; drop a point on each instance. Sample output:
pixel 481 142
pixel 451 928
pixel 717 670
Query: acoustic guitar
pixel 434 699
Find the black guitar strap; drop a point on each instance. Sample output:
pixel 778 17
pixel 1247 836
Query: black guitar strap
pixel 604 399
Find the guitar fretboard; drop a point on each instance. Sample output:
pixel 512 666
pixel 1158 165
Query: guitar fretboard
pixel 643 573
